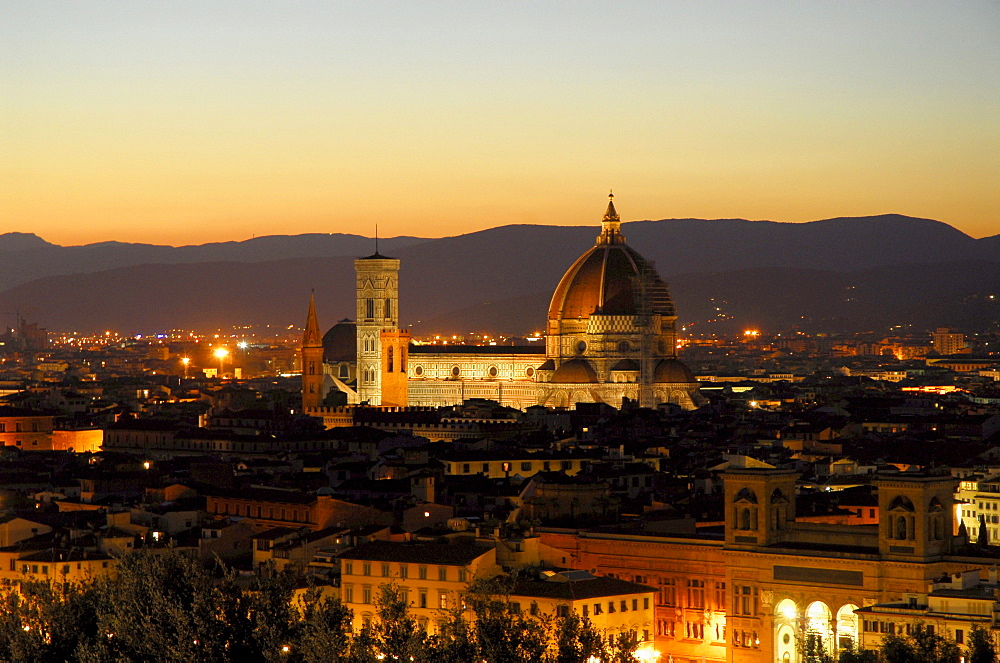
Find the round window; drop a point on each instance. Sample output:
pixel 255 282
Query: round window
pixel 529 372
pixel 456 371
pixel 419 370
pixel 581 346
pixel 493 371
pixel 623 346
pixel 786 639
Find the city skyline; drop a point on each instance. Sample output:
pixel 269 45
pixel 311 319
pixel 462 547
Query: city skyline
pixel 186 124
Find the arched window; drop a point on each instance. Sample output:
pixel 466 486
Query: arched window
pixel 369 308
pixel 388 308
pixel 901 527
pixel 312 368
pixel 389 358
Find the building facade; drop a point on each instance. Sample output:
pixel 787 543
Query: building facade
pixel 611 338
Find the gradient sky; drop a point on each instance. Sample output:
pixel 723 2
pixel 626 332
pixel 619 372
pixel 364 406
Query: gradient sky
pixel 189 122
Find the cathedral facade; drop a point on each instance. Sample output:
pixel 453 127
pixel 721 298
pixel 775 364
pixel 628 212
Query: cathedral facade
pixel 610 336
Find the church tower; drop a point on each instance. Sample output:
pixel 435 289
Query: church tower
pixel 378 311
pixel 312 360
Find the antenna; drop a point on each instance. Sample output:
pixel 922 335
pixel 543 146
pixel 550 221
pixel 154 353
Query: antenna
pixel 376 239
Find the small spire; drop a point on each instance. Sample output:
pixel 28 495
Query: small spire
pixel 611 224
pixel 312 338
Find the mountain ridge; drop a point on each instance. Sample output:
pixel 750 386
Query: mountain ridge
pixel 443 279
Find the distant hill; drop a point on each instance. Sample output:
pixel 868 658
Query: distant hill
pixel 26 257
pixel 848 273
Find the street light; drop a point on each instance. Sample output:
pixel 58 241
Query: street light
pixel 185 361
pixel 221 354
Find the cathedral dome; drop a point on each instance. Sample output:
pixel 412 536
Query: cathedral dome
pixel 604 280
pixel 575 371
pixel 340 342
pixel 672 370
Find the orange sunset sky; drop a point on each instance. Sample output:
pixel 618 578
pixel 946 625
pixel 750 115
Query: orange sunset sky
pixel 191 122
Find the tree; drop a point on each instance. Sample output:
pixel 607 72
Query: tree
pixel 924 646
pixel 814 649
pixel 395 633
pixel 852 655
pixel 981 648
pixel 324 630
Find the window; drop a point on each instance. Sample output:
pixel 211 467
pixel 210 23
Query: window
pixel 668 592
pixel 466 468
pixel 611 606
pixel 443 573
pixel 486 468
pixel 624 605
pixel 423 598
pixel 366 595
pixel 404 571
pixel 720 596
pixel 348 568
pixel 562 610
pixel 388 309
pixel 597 609
pixel 526 466
pixel 389 359
pixel 461 575
pixel 696 594
pixel 422 572
pixel 385 570
pixel 744 600
pixel 366 569
pixel 369 308
pixel 586 610
pixel 959 636
pixel 645 603
pixel 348 594
pixel 635 604
pixel 443 600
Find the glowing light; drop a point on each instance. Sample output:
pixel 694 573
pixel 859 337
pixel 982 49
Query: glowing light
pixel 221 353
pixel 751 333
pixel 242 345
pixel 789 611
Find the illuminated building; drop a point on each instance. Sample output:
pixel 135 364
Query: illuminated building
pixel 312 360
pixel 772 582
pixel 377 312
pixel 611 331
pixel 947 341
pixel 611 336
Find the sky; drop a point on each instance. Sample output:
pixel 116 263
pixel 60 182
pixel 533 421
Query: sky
pixel 191 122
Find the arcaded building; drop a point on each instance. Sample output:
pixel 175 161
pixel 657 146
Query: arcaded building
pixel 768 586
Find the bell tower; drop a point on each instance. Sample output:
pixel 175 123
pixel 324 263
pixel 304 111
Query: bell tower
pixel 916 516
pixel 312 360
pixel 760 505
pixel 378 311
